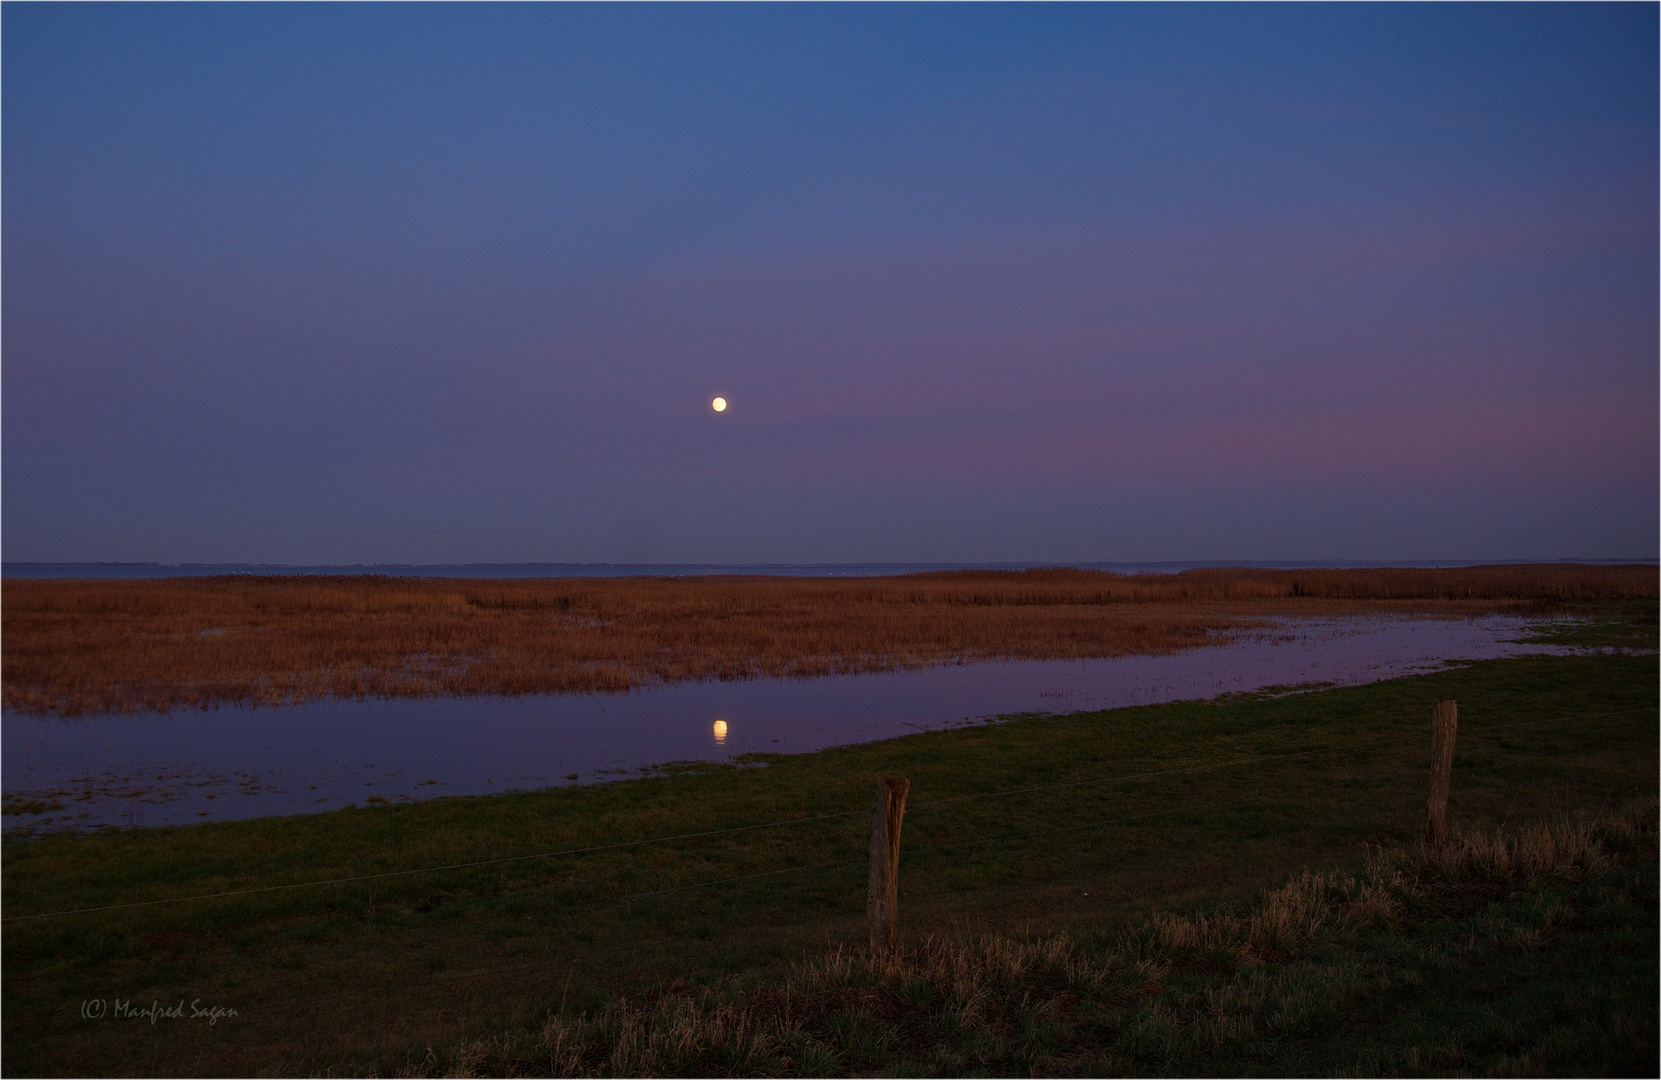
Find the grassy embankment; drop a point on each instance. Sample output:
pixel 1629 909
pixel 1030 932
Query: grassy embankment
pixel 94 646
pixel 473 963
pixel 1529 952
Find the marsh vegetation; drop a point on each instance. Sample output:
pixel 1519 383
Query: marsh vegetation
pixel 78 646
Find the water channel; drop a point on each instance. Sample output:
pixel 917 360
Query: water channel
pixel 240 762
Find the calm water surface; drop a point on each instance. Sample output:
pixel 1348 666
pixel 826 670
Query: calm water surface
pixel 198 765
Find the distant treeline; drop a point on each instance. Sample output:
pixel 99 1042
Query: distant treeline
pixel 77 646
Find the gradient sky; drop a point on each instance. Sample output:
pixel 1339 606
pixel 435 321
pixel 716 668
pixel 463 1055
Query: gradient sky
pixel 343 283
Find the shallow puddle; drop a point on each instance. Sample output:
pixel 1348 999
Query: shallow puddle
pixel 241 762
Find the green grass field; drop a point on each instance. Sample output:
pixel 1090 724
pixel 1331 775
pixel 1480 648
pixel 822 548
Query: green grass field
pixel 1086 825
pixel 1526 951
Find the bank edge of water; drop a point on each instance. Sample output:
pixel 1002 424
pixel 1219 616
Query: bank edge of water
pixel 182 788
pixel 276 945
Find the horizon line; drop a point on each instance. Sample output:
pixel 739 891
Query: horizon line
pixel 1029 563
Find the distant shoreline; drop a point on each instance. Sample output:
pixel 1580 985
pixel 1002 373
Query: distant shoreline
pixel 25 569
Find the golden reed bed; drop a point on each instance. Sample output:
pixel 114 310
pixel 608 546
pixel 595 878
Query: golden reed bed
pixel 83 646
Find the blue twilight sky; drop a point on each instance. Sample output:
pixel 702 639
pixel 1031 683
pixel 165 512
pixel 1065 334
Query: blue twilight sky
pixel 383 282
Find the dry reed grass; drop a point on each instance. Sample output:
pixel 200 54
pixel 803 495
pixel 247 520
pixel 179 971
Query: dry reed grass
pixel 80 646
pixel 1183 994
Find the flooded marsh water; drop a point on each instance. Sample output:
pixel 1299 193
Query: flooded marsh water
pixel 240 762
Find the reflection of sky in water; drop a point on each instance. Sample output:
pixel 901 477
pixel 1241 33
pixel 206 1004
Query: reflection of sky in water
pixel 242 762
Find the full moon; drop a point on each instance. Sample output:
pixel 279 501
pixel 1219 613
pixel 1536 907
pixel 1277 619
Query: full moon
pixel 719 404
pixel 720 725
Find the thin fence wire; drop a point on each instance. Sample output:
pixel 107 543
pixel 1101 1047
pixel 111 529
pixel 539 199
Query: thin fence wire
pixel 1094 824
pixel 1121 778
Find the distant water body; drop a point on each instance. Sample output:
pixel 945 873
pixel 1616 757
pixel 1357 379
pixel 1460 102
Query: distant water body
pixel 553 570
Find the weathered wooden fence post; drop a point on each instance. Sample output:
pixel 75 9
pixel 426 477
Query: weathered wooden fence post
pixel 882 901
pixel 1444 726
